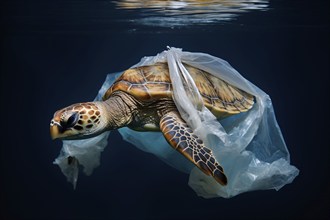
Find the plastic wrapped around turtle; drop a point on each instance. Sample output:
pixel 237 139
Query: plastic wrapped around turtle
pixel 222 123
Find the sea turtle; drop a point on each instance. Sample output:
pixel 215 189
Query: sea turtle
pixel 141 99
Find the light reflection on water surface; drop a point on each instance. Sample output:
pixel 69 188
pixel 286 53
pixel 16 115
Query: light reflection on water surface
pixel 190 12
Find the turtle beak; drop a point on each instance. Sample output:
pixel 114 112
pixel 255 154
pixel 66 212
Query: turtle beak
pixel 54 131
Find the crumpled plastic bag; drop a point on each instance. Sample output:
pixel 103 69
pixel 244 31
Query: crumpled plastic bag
pixel 249 146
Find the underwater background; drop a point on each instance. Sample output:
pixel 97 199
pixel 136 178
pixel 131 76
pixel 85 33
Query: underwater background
pixel 55 53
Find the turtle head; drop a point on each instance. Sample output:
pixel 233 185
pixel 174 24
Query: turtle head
pixel 77 121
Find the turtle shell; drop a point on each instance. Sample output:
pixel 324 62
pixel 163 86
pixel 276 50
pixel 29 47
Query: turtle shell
pixel 151 83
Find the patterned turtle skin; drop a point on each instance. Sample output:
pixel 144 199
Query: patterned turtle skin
pixel 141 99
pixel 150 83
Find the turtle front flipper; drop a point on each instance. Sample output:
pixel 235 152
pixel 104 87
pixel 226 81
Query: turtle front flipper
pixel 181 137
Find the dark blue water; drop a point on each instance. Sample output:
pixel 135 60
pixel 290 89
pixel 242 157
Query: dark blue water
pixel 54 53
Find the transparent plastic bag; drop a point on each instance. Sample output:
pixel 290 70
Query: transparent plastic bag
pixel 249 145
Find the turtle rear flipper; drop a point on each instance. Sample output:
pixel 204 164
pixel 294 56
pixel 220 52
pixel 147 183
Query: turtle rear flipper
pixel 181 137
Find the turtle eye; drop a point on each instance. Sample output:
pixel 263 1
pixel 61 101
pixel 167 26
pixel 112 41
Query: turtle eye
pixel 71 121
